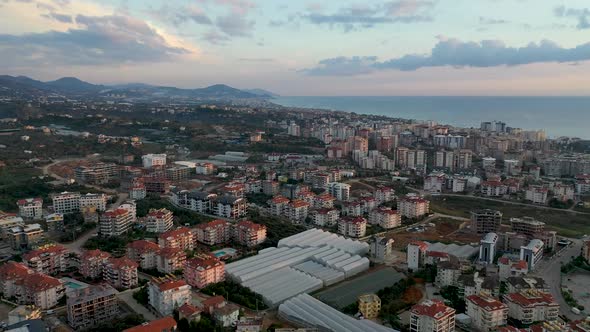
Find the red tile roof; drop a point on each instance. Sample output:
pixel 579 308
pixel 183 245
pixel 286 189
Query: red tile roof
pixel 438 254
pixel 188 310
pixel 181 231
pixel 486 303
pixel 29 200
pixel 521 265
pixel 214 301
pixel 531 298
pixel 421 244
pixel 166 324
pixel 144 246
pixel 205 261
pixel 115 213
pixel 13 270
pixel 38 282
pixel 56 249
pixel 214 224
pixel 251 225
pixel 433 308
pixel 298 204
pixel 279 200
pixel 170 284
pixel 171 252
pixel 88 254
pixel 122 263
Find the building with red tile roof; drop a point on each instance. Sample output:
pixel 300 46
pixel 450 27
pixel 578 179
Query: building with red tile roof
pixel 144 253
pixel 168 293
pixel 432 315
pixel 10 272
pixel 92 263
pixel 39 289
pixel 182 237
pixel 486 312
pixel 204 269
pixel 297 210
pixel 115 222
pixel 189 312
pixel 531 306
pixel 159 220
pixel 48 260
pixel 412 206
pixel 352 226
pixel 278 204
pixel 30 208
pixel 121 273
pixel 249 234
pixel 165 324
pixel 385 218
pixel 170 260
pixel 214 232
pixel 213 303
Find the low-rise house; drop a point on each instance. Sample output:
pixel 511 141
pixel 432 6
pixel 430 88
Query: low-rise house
pixel 369 305
pixel 520 284
pixel 165 324
pixel 189 312
pixel 227 315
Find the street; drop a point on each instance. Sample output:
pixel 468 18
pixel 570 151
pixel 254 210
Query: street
pixel 550 270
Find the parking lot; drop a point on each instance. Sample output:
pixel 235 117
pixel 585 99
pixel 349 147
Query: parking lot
pixel 348 291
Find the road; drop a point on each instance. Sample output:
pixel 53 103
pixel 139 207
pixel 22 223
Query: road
pixel 550 270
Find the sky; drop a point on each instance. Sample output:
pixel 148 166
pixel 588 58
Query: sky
pixel 306 47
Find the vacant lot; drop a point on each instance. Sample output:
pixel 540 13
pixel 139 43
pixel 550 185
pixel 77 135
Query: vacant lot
pixel 564 222
pixel 445 230
pixel 347 292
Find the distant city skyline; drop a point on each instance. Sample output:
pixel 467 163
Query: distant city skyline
pixel 331 48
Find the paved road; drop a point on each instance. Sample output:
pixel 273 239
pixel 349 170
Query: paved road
pixel 550 270
pixel 127 297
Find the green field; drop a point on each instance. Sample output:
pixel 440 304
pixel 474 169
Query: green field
pixel 564 222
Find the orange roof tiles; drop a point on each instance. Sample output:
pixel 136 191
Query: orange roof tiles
pixel 143 246
pixel 13 270
pixel 166 324
pixel 487 303
pixel 433 308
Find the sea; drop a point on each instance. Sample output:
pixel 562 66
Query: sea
pixel 558 116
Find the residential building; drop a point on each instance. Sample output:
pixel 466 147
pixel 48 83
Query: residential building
pixel 435 182
pixel 205 168
pixel 537 195
pixel 178 172
pixel 340 191
pixel 380 247
pixel 412 206
pixel 249 234
pixel 189 312
pixel 66 202
pixel 121 273
pixel 39 289
pixel 227 315
pixel 99 201
pixel 130 206
pixel 137 191
pixel 115 222
pixel 278 205
pixel 416 254
pixel 204 269
pixel 92 306
pixel 8 221
pixel 55 222
pixel 352 226
pixel 144 253
pixel 10 273
pixel 164 324
pixel 486 221
pixel 532 253
pixel 487 248
pixel 476 284
pixel 27 236
pixel 156 184
pixel 324 217
pixel 270 187
pixel 228 206
pixel 181 238
pixel 526 283
pixel 297 211
pixel 249 324
pixel 214 232
pixel 531 306
pixel 92 263
pixel 527 226
pixel 151 160
pixel 96 173
pixel 170 260
pixel 369 305
pixel 168 293
pixel 493 188
pixel 384 194
pixel 323 201
pixel 486 312
pixel 159 220
pixel 51 259
pixel 30 208
pixel 432 316
pixel 447 272
pixel 385 218
pixel 508 268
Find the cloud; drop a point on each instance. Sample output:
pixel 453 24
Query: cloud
pixel 63 18
pixel 235 25
pixel 216 38
pixel 365 16
pixel 487 20
pixel 98 40
pixel 261 60
pixel 181 15
pixel 581 14
pixel 455 53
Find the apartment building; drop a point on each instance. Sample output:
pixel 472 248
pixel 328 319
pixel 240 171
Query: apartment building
pixel 385 218
pixel 340 191
pixel 537 195
pixel 412 206
pixel 27 236
pixel 92 263
pixel 204 269
pixel 8 221
pixel 30 208
pixel 151 160
pixel 55 222
pixel 181 238
pixel 369 305
pixel 66 202
pixel 121 273
pixel 236 189
pixel 115 222
pixel 320 180
pixel 144 253
pixel 527 226
pixel 199 201
pixel 249 234
pixel 156 184
pixel 159 220
pixel 486 221
pixel 205 168
pixel 324 217
pixel 10 273
pixel 214 232
pixel 532 253
pixel 323 201
pixel 228 206
pixel 96 173
pixel 137 191
pixel 39 289
pixel 384 194
pixel 416 254
pixel 168 293
pixel 493 188
pixel 380 247
pixel 92 306
pixel 278 205
pixel 99 201
pixel 50 259
pixel 352 226
pixel 487 248
pixel 586 250
pixel 170 260
pixel 270 187
pixel 297 211
pixel 432 316
pixel 486 312
pixel 531 306
pixel 178 172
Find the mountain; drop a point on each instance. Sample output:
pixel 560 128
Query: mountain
pixel 262 93
pixel 74 87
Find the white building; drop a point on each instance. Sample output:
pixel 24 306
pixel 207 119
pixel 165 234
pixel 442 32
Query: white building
pixel 487 248
pixel 151 160
pixel 341 191
pixel 432 316
pixel 159 221
pixel 324 217
pixel 532 253
pixel 489 162
pixel 66 202
pixel 537 195
pixel 166 294
pixel 531 306
pixel 99 201
pixel 352 226
pixel 380 247
pixel 416 254
pixel 486 312
pixel 412 206
pixel 30 208
pixel 385 218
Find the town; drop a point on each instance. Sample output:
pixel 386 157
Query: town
pixel 224 217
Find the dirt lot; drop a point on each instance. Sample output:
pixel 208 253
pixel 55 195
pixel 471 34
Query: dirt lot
pixel 412 294
pixel 447 230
